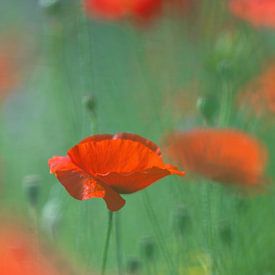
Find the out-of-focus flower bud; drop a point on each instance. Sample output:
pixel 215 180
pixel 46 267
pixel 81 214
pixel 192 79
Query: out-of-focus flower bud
pixel 181 220
pixel 231 50
pixel 50 6
pixel 31 185
pixel 208 106
pixel 51 216
pixel 225 233
pixel 133 266
pixel 148 248
pixel 89 102
pixel 241 204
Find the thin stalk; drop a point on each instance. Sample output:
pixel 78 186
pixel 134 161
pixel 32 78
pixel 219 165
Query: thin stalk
pixel 148 269
pixel 159 235
pixel 118 244
pixel 226 105
pixel 107 243
pixel 34 217
pixel 216 199
pixel 207 222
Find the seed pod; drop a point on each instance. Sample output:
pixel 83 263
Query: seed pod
pixel 89 102
pixel 208 107
pixel 50 6
pixel 31 185
pixel 181 220
pixel 133 266
pixel 148 248
pixel 241 204
pixel 229 53
pixel 225 233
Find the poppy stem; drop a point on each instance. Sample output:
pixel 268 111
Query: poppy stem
pixel 158 232
pixel 226 104
pixel 107 242
pixel 118 243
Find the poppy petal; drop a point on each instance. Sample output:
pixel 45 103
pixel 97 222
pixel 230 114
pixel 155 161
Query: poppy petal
pixel 152 146
pixel 82 186
pixel 260 13
pixel 146 9
pixel 103 166
pixel 117 9
pixel 259 94
pixel 131 153
pixel 224 155
pixel 79 184
pixel 129 183
pixel 113 199
pixel 106 9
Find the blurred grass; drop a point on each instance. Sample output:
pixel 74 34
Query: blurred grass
pixel 131 72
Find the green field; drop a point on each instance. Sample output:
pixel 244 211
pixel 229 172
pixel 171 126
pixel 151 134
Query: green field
pixel 144 79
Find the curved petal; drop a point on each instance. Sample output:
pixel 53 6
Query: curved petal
pixel 120 153
pixel 256 12
pixel 259 94
pixel 133 137
pixel 78 183
pixel 117 9
pixel 82 186
pixel 107 9
pixel 146 9
pixel 224 155
pixel 129 183
pixel 113 199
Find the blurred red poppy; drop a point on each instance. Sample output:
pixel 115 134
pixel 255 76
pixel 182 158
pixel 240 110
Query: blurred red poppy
pixel 15 60
pixel 223 155
pixel 259 95
pixel 21 255
pixel 257 12
pixel 120 9
pixel 105 166
pixel 182 7
pixel 8 73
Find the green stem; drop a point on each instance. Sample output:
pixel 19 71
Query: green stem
pixel 107 243
pixel 118 244
pixel 159 235
pixel 226 105
pixel 207 215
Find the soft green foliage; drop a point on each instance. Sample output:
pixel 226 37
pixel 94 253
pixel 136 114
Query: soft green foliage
pixel 133 73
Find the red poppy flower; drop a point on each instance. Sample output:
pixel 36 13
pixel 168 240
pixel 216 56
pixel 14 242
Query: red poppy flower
pixel 257 12
pixel 259 95
pixel 14 61
pixel 20 254
pixel 8 73
pixel 182 7
pixel 119 9
pixel 223 155
pixel 105 166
